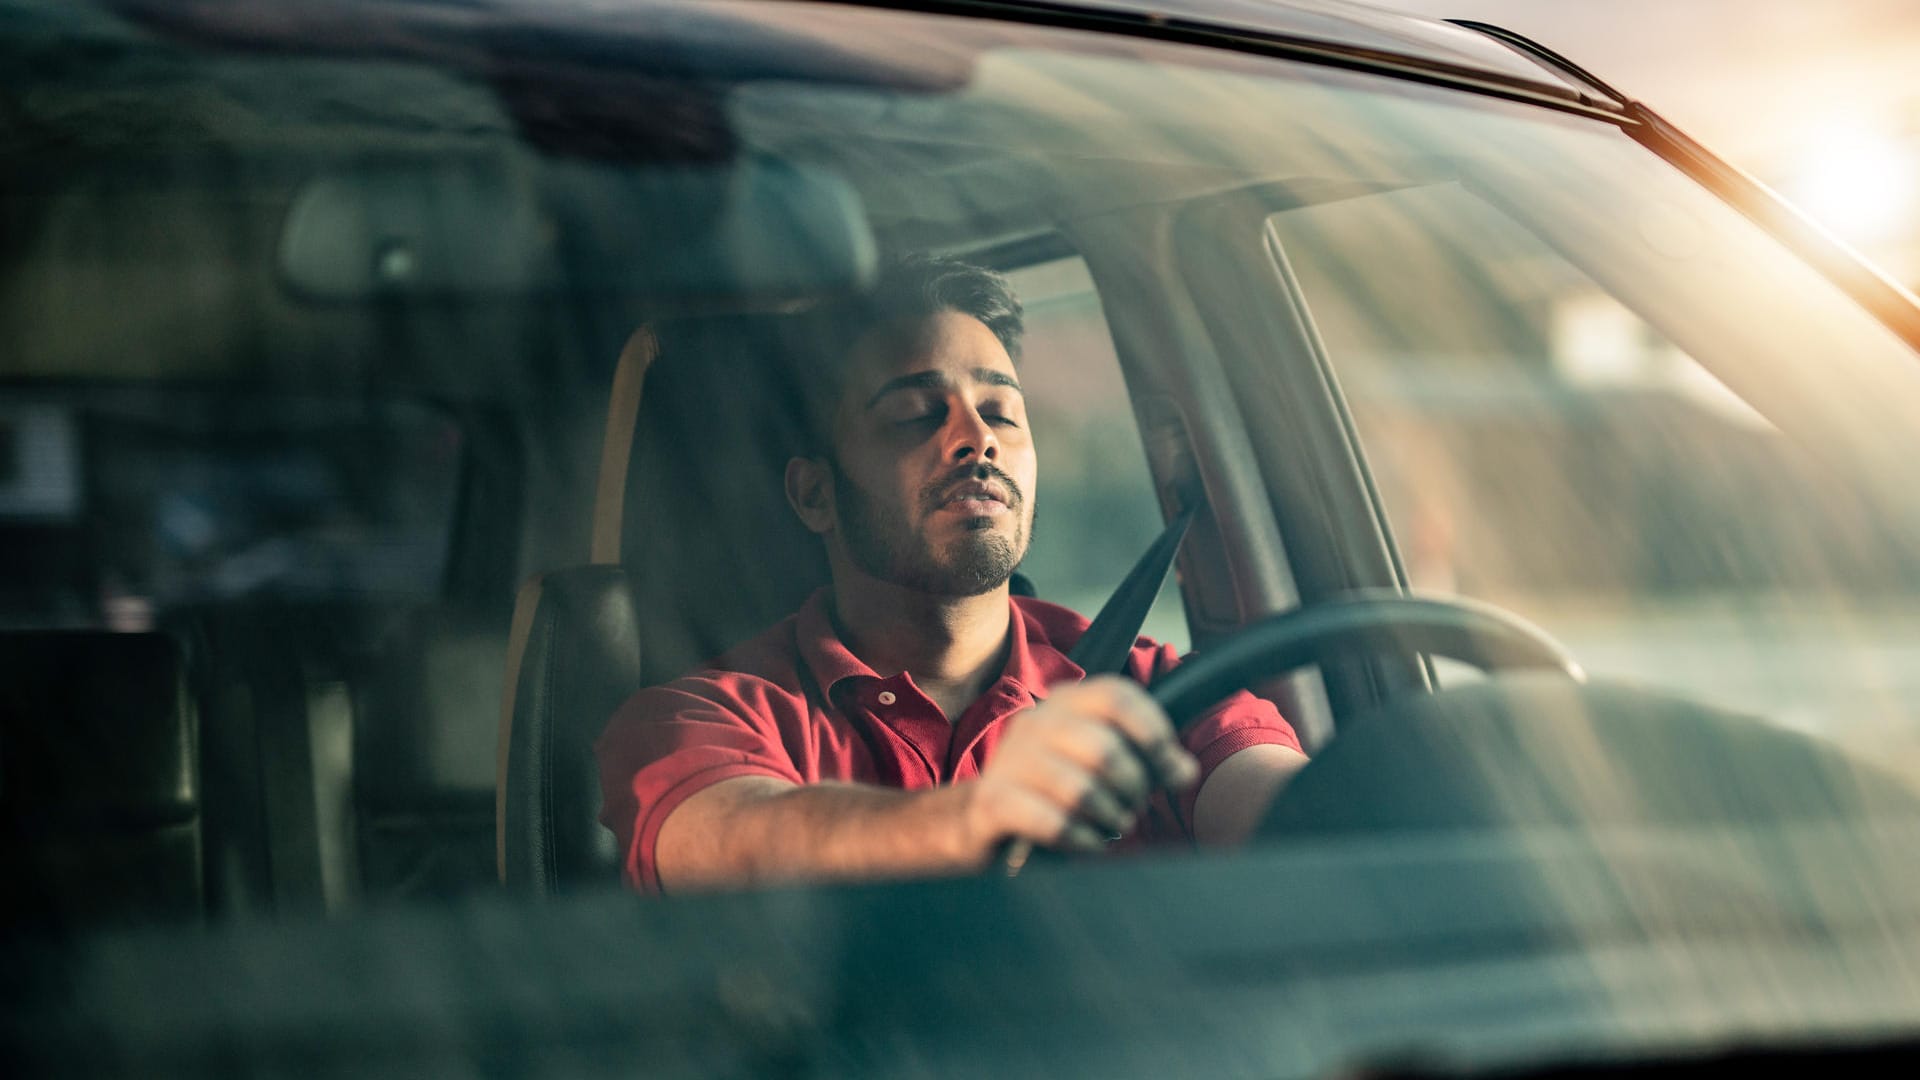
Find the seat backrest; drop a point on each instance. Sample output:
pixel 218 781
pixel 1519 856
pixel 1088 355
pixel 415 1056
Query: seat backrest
pixel 99 780
pixel 573 656
pixel 714 552
pixel 694 550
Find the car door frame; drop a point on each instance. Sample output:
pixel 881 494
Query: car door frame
pixel 1238 407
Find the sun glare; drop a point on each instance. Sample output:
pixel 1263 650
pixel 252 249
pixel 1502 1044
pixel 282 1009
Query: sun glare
pixel 1861 184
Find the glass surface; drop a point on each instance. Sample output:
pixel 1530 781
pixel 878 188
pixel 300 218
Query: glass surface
pixel 1539 443
pixel 1100 512
pixel 1584 389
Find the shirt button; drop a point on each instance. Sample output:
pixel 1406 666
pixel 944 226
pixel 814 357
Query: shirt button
pixel 887 697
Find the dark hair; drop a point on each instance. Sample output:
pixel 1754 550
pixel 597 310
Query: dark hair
pixel 922 285
pixel 911 286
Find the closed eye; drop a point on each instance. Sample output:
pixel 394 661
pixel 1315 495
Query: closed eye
pixel 1001 413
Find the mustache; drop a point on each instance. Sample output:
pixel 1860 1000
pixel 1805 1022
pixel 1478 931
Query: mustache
pixel 935 494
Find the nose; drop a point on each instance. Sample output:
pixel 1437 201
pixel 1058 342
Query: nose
pixel 970 437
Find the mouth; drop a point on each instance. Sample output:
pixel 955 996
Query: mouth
pixel 975 498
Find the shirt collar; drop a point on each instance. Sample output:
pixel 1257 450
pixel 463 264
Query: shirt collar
pixel 830 661
pixel 1033 663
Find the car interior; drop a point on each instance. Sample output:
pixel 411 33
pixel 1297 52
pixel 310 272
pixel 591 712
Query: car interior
pixel 298 404
pixel 389 388
pixel 376 419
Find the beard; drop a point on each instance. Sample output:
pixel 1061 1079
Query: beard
pixel 883 545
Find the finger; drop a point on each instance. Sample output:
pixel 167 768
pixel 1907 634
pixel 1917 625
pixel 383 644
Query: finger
pixel 1178 768
pixel 1125 705
pixel 1030 815
pixel 1130 709
pixel 1080 793
pixel 1016 854
pixel 1079 836
pixel 1126 772
pixel 1102 810
pixel 1111 757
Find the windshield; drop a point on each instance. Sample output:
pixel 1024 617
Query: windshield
pixel 1584 387
pixel 349 369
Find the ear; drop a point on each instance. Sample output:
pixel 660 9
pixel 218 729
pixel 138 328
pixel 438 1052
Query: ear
pixel 810 493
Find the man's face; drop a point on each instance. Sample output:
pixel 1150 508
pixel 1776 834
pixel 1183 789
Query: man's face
pixel 934 466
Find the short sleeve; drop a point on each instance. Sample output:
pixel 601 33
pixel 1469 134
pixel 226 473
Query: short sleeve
pixel 1239 721
pixel 667 743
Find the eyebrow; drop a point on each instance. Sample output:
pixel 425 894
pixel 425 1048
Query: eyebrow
pixel 937 380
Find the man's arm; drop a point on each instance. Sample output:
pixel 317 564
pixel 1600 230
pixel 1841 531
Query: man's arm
pixel 1238 791
pixel 1248 750
pixel 757 828
pixel 1068 772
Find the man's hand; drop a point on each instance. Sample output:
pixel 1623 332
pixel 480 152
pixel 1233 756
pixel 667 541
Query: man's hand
pixel 1077 769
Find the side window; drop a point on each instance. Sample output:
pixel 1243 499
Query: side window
pixel 1538 445
pixel 1095 512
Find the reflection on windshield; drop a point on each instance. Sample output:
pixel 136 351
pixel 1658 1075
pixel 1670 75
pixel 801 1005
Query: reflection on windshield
pixel 1590 392
pixel 274 496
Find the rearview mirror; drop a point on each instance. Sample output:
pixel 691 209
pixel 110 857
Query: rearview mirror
pixel 744 234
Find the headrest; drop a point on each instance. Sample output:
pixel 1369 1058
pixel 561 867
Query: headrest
pixel 713 549
pixel 95 727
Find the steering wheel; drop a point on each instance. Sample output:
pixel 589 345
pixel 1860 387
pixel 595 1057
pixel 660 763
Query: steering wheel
pixel 1380 620
pixel 1368 620
pixel 1542 747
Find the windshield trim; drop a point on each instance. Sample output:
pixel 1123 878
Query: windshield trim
pixel 1884 299
pixel 1185 29
pixel 1541 54
pixel 465 41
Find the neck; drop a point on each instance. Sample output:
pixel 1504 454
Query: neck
pixel 955 646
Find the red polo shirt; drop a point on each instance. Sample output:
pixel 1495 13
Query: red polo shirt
pixel 795 704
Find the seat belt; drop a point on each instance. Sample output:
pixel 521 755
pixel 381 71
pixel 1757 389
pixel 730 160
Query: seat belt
pixel 1108 641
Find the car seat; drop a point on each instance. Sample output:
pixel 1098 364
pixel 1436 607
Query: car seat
pixel 99 781
pixel 694 549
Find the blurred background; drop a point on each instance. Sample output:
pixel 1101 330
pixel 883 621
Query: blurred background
pixel 1666 534
pixel 1818 99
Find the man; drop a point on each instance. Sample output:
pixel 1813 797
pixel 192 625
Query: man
pixel 914 717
